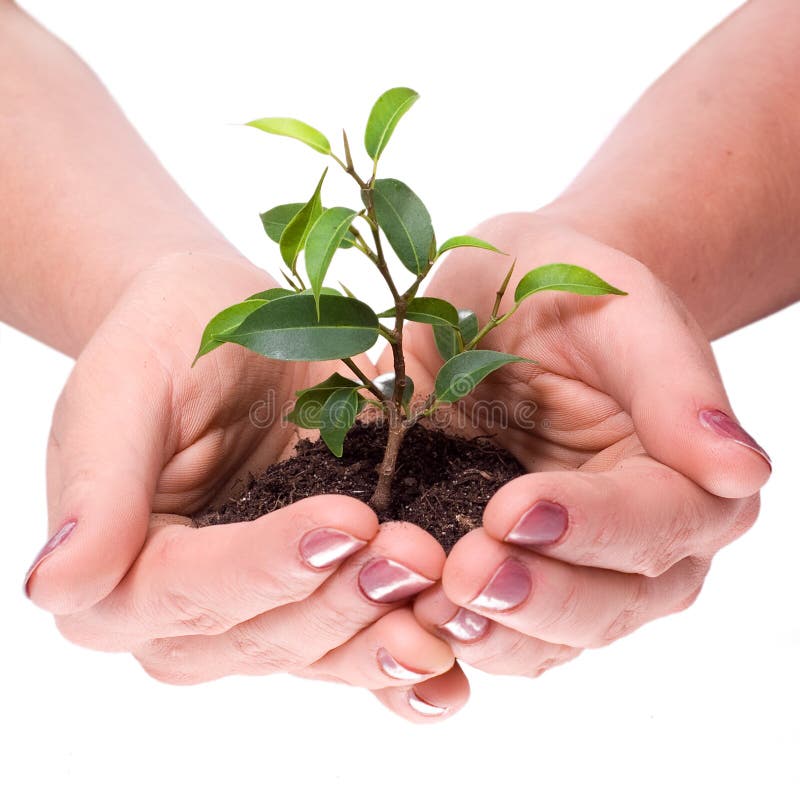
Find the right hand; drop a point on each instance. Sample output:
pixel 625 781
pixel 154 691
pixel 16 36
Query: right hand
pixel 139 440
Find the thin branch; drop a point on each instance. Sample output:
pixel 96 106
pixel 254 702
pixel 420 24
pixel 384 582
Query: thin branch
pixel 494 319
pixel 427 408
pixel 356 370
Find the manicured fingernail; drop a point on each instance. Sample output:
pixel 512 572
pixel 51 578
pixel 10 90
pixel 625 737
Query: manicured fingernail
pixel 394 669
pixel 466 625
pixel 507 588
pixel 52 543
pixel 423 706
pixel 386 581
pixel 543 523
pixel 721 424
pixel 324 547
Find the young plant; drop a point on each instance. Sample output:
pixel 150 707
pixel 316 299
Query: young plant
pixel 312 322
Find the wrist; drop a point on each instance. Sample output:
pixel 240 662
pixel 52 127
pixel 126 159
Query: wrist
pixel 637 227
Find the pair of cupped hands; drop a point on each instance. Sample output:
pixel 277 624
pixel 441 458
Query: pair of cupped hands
pixel 639 474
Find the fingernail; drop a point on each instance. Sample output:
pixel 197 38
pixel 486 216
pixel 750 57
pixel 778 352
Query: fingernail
pixel 466 625
pixel 423 706
pixel 323 547
pixel 386 581
pixel 394 669
pixel 543 523
pixel 721 424
pixel 52 543
pixel 507 588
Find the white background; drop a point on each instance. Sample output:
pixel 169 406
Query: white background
pixel 515 97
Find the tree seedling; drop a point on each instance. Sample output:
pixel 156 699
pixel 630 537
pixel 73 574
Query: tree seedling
pixel 309 321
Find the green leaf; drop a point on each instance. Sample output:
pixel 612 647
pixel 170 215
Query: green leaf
pixel 271 294
pixel 385 383
pixel 294 235
pixel 335 381
pixel 323 239
pixel 447 342
pixel 466 241
pixel 337 417
pixel 289 329
pixel 224 323
pixel 430 310
pixel 467 324
pixel 463 372
pixel 276 219
pixel 307 411
pixel 563 278
pixel 383 118
pixel 405 221
pixel 295 129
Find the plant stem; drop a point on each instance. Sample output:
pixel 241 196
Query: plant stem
pixel 393 407
pixel 382 495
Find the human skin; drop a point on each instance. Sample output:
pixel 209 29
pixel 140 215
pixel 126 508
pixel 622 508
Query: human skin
pixel 104 258
pixel 633 488
pixel 145 273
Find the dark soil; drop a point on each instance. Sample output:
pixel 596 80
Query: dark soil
pixel 442 483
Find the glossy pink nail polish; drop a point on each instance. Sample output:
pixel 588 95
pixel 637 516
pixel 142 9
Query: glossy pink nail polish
pixel 52 543
pixel 394 669
pixel 324 547
pixel 385 581
pixel 543 523
pixel 721 424
pixel 466 625
pixel 423 707
pixel 508 588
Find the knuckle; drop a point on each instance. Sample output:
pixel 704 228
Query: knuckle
pixel 258 656
pixel 489 656
pixel 192 616
pixel 568 611
pixel 630 617
pixel 565 653
pixel 680 538
pixel 76 633
pixel 333 623
pixel 744 518
pixel 165 660
pixel 698 570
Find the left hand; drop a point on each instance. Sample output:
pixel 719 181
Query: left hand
pixel 638 472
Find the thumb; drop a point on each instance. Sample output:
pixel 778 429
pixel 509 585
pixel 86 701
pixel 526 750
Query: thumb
pixel 105 453
pixel 661 369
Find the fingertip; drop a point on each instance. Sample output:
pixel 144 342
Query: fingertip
pixel 411 545
pixel 433 700
pixel 435 611
pixel 408 642
pixel 470 565
pixel 83 561
pixel 736 465
pixel 337 511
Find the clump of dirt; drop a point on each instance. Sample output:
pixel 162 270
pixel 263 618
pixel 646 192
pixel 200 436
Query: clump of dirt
pixel 442 483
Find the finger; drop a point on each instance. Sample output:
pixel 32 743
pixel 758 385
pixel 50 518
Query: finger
pixel 486 645
pixel 401 561
pixel 558 602
pixel 206 580
pixel 394 651
pixel 641 517
pixel 668 381
pixel 430 701
pixel 105 451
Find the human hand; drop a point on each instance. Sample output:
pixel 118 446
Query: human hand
pixel 139 441
pixel 639 473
